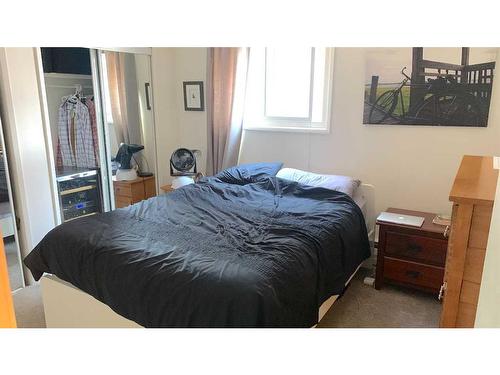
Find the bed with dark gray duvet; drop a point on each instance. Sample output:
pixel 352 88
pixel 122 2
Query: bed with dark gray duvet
pixel 228 251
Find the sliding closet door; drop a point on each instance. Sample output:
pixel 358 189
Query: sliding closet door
pixel 8 227
pixel 105 161
pixel 127 107
pixel 118 87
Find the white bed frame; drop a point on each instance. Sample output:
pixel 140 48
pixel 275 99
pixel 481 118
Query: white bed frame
pixel 66 306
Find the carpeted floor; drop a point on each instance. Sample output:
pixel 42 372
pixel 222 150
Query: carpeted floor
pixel 29 307
pixel 13 263
pixel 361 306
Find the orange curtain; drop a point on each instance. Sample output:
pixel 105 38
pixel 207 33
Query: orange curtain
pixel 7 317
pixel 115 65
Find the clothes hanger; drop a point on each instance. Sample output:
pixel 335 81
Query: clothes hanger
pixel 78 95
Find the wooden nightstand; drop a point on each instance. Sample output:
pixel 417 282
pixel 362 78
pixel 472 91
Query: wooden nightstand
pixel 411 256
pixel 167 188
pixel 130 192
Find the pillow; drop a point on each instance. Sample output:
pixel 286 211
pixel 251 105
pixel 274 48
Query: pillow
pixel 248 173
pixel 344 184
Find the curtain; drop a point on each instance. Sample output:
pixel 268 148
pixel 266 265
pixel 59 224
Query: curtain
pixel 115 66
pixel 227 77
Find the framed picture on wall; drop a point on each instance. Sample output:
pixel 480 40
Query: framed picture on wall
pixel 438 86
pixel 193 96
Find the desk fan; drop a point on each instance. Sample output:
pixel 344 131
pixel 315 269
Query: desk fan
pixel 183 167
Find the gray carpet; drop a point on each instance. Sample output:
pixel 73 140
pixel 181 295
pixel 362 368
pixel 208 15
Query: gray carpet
pixel 361 306
pixel 13 263
pixel 29 307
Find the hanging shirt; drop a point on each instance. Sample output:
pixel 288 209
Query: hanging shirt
pixel 93 124
pixel 75 135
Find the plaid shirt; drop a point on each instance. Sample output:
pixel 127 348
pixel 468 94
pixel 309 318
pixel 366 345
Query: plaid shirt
pixel 76 144
pixel 93 122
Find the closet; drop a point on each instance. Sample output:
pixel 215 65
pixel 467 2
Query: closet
pixel 71 106
pixel 96 100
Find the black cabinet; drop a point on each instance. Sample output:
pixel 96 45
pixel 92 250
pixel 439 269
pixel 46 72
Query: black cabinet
pixel 79 192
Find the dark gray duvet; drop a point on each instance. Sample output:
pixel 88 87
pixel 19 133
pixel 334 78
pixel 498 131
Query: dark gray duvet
pixel 214 254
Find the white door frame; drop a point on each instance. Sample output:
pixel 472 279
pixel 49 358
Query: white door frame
pixel 48 134
pixel 108 193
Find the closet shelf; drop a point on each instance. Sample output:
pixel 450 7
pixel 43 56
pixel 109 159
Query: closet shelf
pixel 68 76
pixel 78 190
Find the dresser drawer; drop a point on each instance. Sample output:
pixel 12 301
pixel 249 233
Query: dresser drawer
pixel 123 190
pixel 418 248
pixel 427 277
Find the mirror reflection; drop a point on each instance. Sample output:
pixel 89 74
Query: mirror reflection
pixel 129 124
pixel 7 224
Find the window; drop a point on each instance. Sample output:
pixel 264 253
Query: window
pixel 289 89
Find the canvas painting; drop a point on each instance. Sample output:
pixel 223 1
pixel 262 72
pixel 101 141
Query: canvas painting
pixel 429 86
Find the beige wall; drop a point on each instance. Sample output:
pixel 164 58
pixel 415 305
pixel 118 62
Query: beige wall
pixel 411 166
pixel 175 127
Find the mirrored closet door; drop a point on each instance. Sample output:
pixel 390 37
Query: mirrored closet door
pixel 8 221
pixel 129 124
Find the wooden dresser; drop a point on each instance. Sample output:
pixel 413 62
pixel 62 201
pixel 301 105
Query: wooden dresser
pixel 472 194
pixel 130 192
pixel 411 256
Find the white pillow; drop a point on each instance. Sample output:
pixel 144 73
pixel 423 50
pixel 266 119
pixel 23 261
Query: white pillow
pixel 344 184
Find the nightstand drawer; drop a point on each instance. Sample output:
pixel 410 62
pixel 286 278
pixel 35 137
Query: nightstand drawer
pixel 427 277
pixel 418 248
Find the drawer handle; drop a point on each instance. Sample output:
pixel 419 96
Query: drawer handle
pixel 441 291
pixel 414 248
pixel 446 231
pixel 413 274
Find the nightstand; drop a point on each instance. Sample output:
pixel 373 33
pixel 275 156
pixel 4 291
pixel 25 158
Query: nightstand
pixel 410 256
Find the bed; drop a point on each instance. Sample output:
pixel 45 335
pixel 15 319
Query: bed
pixel 243 251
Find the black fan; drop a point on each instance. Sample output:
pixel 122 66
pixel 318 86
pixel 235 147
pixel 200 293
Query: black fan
pixel 183 162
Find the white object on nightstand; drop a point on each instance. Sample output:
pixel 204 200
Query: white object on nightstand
pixel 390 217
pixel 181 181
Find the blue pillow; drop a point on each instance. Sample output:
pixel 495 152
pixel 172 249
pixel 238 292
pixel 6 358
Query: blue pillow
pixel 248 173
